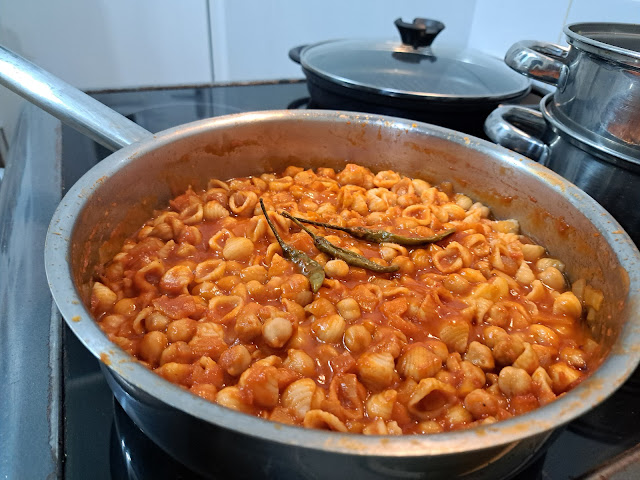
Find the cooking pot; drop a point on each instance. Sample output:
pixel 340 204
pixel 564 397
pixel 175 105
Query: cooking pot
pixel 438 84
pixel 113 199
pixel 597 79
pixel 610 177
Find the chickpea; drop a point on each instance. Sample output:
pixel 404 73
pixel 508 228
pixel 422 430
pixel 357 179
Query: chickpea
pixel 405 263
pixel 480 355
pixel 568 304
pixel 235 360
pixel 532 252
pixel 151 347
pixel 277 331
pixel 357 338
pixel 178 352
pixel 574 357
pixel 126 307
pixel 248 326
pixel 543 335
pixel 336 268
pixel 156 321
pixel 349 309
pixel 481 403
pixel 544 263
pixel 329 329
pixel 456 283
pixel 552 278
pixel 514 381
pixel 181 330
pixel 562 376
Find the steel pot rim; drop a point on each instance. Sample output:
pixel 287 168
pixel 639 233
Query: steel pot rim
pixel 603 49
pixel 585 140
pixel 619 364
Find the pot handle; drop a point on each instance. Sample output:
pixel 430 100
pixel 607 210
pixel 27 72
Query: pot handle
pixel 539 60
pixel 294 53
pixel 67 103
pixel 506 126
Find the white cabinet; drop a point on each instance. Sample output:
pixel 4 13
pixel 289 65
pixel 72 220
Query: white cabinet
pixel 104 44
pixel 101 44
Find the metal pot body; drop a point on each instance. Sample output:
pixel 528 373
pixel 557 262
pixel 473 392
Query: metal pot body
pixel 109 203
pixel 613 182
pixel 466 117
pixel 217 452
pixel 597 80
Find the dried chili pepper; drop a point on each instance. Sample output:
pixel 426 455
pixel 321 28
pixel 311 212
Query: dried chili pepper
pixel 348 256
pixel 382 236
pixel 309 267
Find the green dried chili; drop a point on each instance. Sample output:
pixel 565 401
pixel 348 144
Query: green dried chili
pixel 348 256
pixel 382 236
pixel 309 267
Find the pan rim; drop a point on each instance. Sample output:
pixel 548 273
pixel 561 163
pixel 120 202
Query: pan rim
pixel 616 368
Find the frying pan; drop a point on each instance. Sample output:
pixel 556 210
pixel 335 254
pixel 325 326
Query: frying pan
pixel 112 200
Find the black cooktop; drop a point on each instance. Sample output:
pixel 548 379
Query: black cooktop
pixel 90 435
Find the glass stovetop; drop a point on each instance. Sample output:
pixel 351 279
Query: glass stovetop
pixel 100 442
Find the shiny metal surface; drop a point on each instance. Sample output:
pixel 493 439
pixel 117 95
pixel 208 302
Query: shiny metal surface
pixel 509 126
pixel 540 61
pixel 612 180
pixel 591 242
pixel 598 80
pixel 293 461
pixel 67 103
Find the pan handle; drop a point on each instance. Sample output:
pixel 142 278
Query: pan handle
pixel 506 126
pixel 67 103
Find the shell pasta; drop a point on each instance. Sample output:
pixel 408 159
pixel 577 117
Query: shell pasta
pixel 471 329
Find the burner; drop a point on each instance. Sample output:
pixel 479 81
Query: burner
pixel 303 103
pixel 135 457
pixel 617 420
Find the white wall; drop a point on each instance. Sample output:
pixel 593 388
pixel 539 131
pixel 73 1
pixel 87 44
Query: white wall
pixel 101 44
pixel 124 43
pixel 498 24
pixel 252 38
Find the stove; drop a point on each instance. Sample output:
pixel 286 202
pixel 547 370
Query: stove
pixel 58 418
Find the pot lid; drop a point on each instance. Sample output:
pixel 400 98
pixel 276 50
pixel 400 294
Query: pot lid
pixel 414 68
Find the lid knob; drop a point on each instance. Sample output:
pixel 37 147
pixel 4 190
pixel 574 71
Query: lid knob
pixel 420 33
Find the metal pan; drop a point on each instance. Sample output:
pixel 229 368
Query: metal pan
pixel 111 200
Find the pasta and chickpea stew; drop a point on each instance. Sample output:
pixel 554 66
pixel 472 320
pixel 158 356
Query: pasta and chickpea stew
pixel 348 301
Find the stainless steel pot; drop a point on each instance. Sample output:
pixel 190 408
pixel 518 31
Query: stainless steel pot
pixel 611 178
pixel 111 200
pixel 597 80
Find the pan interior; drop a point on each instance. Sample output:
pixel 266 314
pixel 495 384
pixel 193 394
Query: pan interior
pixel 554 213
